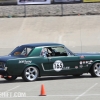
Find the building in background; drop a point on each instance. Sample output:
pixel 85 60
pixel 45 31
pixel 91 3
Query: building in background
pixel 33 1
pixel 8 2
pixel 67 1
pixel 91 0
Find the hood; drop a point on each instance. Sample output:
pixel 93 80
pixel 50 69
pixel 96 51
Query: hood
pixel 88 54
pixel 5 58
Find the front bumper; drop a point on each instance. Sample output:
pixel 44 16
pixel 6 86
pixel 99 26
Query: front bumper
pixel 3 72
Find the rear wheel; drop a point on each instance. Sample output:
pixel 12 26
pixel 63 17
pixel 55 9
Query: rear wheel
pixel 30 74
pixel 10 78
pixel 95 70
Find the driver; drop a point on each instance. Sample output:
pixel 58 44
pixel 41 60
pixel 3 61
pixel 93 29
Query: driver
pixel 44 52
pixel 53 52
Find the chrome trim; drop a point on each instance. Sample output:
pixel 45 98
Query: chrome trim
pixel 5 68
pixel 44 69
pixel 54 70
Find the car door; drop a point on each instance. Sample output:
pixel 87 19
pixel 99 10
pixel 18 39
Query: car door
pixel 61 62
pixel 64 64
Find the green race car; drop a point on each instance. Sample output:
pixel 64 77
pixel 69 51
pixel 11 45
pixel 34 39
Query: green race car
pixel 31 61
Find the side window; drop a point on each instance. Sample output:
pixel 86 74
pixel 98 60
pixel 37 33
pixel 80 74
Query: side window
pixel 59 51
pixel 29 50
pixel 46 52
pixel 26 51
pixel 53 51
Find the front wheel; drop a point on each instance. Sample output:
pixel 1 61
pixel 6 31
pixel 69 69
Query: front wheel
pixel 11 78
pixel 95 70
pixel 30 74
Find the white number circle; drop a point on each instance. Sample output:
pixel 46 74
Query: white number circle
pixel 58 65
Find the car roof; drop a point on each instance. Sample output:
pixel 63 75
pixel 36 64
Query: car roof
pixel 41 44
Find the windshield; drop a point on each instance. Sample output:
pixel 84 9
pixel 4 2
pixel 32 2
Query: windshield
pixel 21 51
pixel 70 51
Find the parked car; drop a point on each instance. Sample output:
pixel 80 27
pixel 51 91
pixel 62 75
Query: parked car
pixel 31 61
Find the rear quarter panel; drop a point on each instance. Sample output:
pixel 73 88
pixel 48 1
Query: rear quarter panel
pixel 16 66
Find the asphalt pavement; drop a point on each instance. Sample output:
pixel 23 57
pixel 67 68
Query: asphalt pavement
pixel 57 88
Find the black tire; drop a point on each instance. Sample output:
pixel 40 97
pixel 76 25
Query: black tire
pixel 30 74
pixel 12 78
pixel 95 70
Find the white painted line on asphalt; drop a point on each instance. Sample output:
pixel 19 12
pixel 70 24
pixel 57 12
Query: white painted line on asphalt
pixel 85 91
pixel 54 96
pixel 92 95
pixel 72 95
pixel 12 88
pixel 65 95
pixel 50 96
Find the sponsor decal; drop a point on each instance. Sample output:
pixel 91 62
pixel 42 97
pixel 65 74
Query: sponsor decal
pixel 91 61
pixel 76 67
pixel 58 65
pixel 25 62
pixel 86 65
pixel 81 66
pixel 82 57
pixel 80 62
pixel 67 68
pixel 84 62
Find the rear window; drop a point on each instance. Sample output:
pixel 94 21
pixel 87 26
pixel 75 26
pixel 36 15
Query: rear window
pixel 21 51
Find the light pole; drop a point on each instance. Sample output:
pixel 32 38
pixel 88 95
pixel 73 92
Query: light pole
pixel 61 8
pixel 24 9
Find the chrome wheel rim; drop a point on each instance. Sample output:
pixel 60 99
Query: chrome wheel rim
pixel 31 73
pixel 97 69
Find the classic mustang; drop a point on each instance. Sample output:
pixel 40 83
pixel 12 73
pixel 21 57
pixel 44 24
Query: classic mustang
pixel 31 61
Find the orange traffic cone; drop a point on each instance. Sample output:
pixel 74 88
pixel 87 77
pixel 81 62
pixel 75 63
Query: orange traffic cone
pixel 43 93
